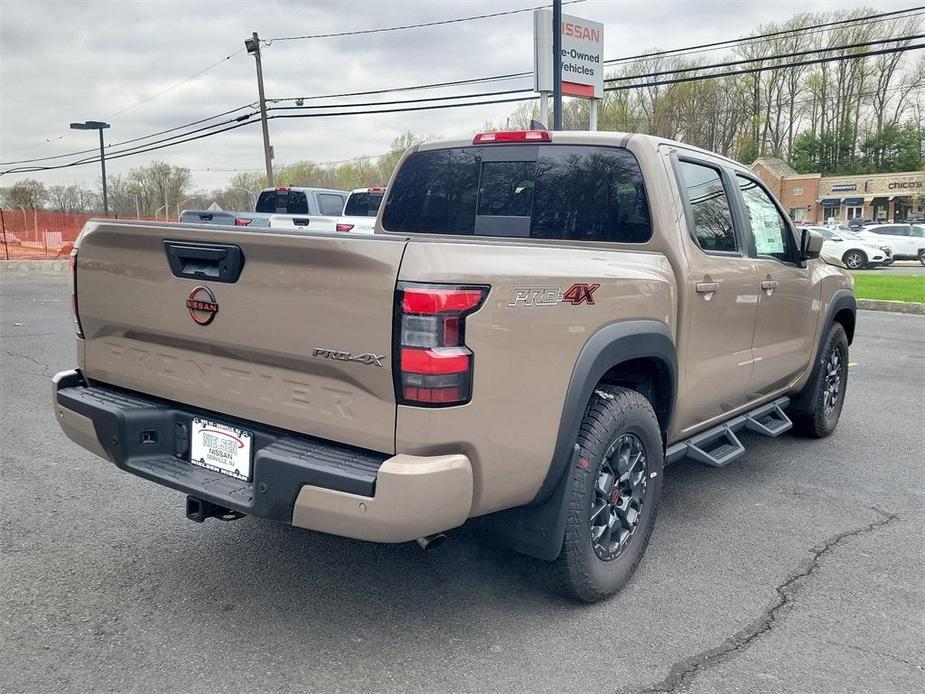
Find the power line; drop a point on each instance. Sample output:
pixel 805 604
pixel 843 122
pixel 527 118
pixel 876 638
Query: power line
pixel 503 77
pixel 766 58
pixel 721 44
pixel 745 71
pixel 414 26
pixel 517 75
pixel 154 147
pixel 178 84
pixel 215 128
pixel 412 88
pixel 678 113
pixel 127 108
pixel 137 139
pixel 401 101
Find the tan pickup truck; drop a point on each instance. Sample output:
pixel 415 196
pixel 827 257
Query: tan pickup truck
pixel 540 322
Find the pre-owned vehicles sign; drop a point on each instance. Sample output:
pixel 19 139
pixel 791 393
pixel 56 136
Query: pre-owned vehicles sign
pixel 582 55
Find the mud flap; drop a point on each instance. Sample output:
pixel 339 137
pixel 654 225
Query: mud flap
pixel 538 531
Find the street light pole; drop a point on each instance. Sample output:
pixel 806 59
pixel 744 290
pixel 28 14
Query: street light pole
pixel 253 47
pixel 97 125
pixel 103 167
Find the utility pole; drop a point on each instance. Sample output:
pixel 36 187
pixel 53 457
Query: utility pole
pixel 557 64
pixel 253 47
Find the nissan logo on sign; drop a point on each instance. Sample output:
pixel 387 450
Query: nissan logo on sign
pixel 582 55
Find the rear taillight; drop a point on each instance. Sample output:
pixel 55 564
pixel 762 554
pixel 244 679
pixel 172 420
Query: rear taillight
pixel 344 227
pixel 242 221
pixel 72 264
pixel 433 364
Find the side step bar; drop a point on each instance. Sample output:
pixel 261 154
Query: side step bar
pixel 719 446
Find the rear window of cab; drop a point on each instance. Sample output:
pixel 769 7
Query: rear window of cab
pixel 548 191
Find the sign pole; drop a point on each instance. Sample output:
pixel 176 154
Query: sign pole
pixel 544 109
pixel 557 64
pixel 592 125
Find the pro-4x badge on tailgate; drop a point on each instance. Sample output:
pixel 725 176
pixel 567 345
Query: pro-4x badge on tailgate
pixel 202 305
pixel 367 358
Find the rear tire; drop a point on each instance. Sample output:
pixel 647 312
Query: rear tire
pixel 828 388
pixel 922 257
pixel 855 259
pixel 614 495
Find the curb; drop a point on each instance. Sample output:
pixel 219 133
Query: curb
pixel 892 306
pixel 19 266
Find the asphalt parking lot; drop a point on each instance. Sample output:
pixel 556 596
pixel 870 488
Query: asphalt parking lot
pixel 797 568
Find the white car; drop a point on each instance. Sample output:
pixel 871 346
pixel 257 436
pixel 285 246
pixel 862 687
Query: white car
pixel 855 253
pixel 360 210
pixel 907 240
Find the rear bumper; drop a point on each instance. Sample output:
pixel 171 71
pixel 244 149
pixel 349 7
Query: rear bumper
pixel 308 482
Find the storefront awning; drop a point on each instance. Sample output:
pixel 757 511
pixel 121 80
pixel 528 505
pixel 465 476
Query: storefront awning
pixel 852 201
pixel 830 202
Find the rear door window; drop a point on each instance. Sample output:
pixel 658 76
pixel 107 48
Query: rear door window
pixel 363 204
pixel 710 213
pixel 330 204
pixel 587 193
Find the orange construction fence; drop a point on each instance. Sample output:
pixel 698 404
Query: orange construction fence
pixel 39 234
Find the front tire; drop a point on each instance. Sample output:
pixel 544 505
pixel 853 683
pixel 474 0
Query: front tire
pixel 828 388
pixel 614 495
pixel 922 257
pixel 855 259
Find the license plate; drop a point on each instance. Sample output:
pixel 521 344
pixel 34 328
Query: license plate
pixel 221 448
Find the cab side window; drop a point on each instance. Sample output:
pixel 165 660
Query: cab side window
pixel 768 227
pixel 712 218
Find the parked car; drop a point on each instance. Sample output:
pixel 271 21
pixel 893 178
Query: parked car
pixel 906 240
pixel 856 254
pixel 858 223
pixel 361 210
pixel 540 323
pixel 311 206
pixel 10 239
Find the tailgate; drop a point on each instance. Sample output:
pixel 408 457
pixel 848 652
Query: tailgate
pixel 301 339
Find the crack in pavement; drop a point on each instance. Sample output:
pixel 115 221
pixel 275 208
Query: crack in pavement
pixel 683 671
pixel 43 366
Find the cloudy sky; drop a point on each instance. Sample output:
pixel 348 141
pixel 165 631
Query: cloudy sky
pixel 96 60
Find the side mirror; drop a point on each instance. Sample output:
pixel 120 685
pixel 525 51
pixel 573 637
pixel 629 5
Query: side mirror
pixel 810 244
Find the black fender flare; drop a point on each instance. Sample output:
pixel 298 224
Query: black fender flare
pixel 802 402
pixel 537 529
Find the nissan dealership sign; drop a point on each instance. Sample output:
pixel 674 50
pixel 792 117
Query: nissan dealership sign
pixel 582 55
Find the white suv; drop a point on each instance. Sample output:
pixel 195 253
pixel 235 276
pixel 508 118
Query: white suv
pixel 906 240
pixel 360 211
pixel 855 253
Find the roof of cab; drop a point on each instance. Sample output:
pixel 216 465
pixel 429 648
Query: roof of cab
pixel 588 137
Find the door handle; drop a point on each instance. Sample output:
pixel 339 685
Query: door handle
pixel 707 287
pixel 769 286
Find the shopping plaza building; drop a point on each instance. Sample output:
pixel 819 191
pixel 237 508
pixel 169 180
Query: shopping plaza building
pixel 819 199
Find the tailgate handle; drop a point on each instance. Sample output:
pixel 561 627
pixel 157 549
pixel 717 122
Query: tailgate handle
pixel 201 261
